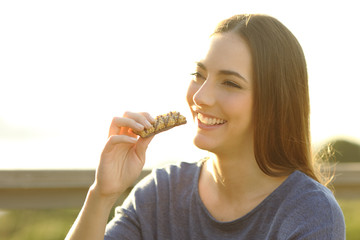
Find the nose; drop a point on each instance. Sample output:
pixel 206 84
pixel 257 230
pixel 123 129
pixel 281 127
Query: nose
pixel 205 95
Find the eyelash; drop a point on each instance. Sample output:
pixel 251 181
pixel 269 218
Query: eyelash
pixel 231 84
pixel 226 83
pixel 196 75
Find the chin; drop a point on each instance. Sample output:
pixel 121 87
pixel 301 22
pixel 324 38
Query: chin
pixel 204 143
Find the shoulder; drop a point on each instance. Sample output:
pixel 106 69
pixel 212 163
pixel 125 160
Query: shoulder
pixel 149 204
pixel 174 177
pixel 306 192
pixel 181 171
pixel 310 208
pixel 165 186
pixel 160 185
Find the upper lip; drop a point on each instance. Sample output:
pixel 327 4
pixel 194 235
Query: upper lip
pixel 206 114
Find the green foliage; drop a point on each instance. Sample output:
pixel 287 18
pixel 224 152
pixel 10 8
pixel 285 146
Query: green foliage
pixel 351 212
pixel 32 224
pixel 54 224
pixel 340 151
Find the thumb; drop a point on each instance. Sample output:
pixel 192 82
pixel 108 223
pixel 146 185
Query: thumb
pixel 142 145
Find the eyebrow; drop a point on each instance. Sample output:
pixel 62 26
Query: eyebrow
pixel 224 72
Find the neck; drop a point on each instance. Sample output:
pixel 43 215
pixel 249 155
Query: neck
pixel 236 177
pixel 229 173
pixel 232 185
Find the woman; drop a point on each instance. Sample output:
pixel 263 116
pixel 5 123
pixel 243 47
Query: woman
pixel 249 97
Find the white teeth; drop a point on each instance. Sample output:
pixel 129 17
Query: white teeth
pixel 209 121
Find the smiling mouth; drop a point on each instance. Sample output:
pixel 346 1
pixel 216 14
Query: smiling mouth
pixel 209 120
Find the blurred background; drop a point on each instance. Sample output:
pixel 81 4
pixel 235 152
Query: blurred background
pixel 67 67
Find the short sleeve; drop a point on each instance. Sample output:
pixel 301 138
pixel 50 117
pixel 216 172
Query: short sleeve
pixel 126 223
pixel 318 217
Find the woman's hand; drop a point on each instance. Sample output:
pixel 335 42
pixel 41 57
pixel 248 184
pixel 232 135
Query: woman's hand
pixel 123 157
pixel 121 162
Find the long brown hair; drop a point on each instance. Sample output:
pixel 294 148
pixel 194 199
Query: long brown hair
pixel 281 110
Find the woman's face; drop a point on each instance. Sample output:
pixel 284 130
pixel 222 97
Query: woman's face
pixel 220 95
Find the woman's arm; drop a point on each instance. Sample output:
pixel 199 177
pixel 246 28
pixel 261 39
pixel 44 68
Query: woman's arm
pixel 92 219
pixel 121 163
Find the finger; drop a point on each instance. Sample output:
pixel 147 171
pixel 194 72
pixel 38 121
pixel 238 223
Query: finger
pixel 148 117
pixel 118 139
pixel 143 118
pixel 122 122
pixel 130 133
pixel 142 145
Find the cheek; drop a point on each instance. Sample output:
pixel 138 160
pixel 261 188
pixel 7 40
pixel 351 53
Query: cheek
pixel 239 109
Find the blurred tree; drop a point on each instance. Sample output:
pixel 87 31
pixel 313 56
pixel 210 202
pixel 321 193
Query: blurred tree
pixel 341 150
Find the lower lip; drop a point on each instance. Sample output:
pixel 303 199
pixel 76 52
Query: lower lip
pixel 208 127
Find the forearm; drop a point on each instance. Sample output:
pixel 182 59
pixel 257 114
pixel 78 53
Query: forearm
pixel 92 219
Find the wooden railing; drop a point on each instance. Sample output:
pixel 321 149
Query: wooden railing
pixel 49 189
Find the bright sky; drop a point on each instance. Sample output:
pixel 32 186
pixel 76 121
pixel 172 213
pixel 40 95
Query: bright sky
pixel 67 67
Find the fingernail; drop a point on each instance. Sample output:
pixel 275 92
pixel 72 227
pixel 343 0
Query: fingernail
pixel 132 140
pixel 139 126
pixel 148 124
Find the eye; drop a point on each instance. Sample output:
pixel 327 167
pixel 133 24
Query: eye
pixel 197 76
pixel 232 84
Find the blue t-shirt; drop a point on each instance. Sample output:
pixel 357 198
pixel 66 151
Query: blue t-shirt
pixel 167 205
